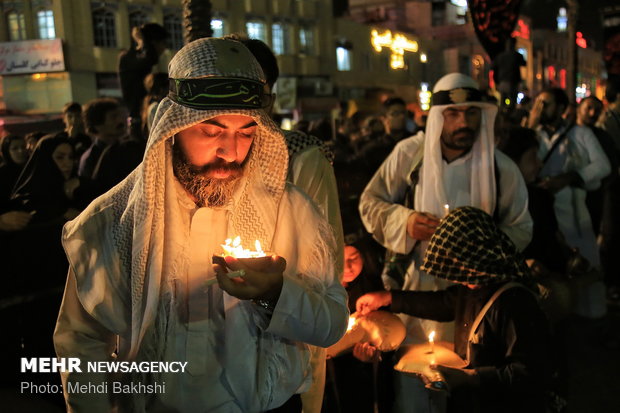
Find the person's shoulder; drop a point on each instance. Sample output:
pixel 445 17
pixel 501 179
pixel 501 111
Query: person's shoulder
pixel 411 144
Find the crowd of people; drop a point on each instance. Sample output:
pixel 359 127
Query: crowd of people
pixel 429 216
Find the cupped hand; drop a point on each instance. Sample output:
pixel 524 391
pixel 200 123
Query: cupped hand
pixel 366 352
pixel 263 278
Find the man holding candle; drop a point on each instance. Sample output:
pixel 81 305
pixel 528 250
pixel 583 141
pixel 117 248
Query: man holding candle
pixel 214 168
pixel 453 162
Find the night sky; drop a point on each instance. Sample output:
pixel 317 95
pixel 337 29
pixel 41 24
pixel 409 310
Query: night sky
pixel 544 12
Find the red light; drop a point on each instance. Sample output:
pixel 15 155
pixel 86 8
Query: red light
pixel 522 30
pixel 563 78
pixel 581 41
pixel 491 81
pixel 551 73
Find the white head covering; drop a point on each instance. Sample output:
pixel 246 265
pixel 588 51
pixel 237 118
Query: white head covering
pixel 456 89
pixel 145 246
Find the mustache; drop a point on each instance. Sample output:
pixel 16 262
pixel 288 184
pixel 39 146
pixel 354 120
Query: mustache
pixel 218 165
pixel 465 130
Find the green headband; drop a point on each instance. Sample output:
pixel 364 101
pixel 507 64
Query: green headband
pixel 219 93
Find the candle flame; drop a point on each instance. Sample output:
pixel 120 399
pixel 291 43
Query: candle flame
pixel 233 248
pixel 352 322
pixel 431 336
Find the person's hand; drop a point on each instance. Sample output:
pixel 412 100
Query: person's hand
pixel 70 186
pixel 366 352
pixel 373 301
pixel 262 280
pixel 556 183
pixel 422 225
pixel 535 113
pixel 14 220
pixel 459 378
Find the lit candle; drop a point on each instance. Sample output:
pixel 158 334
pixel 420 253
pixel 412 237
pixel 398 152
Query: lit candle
pixel 233 248
pixel 431 340
pixel 446 210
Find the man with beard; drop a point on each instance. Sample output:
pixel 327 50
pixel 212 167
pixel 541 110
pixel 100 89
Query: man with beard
pixel 452 164
pixel 141 284
pixel 573 163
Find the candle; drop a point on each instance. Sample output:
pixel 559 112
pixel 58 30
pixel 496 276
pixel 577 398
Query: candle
pixel 446 210
pixel 431 341
pixel 233 248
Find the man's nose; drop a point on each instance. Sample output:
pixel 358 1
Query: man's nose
pixel 227 148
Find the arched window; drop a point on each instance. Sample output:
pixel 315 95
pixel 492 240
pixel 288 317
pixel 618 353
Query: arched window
pixel 45 24
pixel 172 23
pixel 16 25
pixel 104 28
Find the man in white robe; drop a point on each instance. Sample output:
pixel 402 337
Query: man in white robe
pixel 458 168
pixel 141 284
pixel 573 162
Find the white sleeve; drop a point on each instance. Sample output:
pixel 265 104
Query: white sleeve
pixel 515 219
pixel 596 165
pixel 311 172
pixel 78 334
pixel 303 314
pixel 380 210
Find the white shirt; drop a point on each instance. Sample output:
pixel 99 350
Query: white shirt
pixel 386 218
pixel 580 152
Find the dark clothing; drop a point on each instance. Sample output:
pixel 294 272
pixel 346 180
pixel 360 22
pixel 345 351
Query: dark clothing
pixel 116 162
pixel 81 142
pixel 545 246
pixel 90 158
pixel 133 66
pixel 511 353
pixel 372 155
pixel 350 384
pixel 9 172
pixel 603 205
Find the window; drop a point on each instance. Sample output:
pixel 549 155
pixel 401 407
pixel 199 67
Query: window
pixel 137 19
pixel 104 27
pixel 45 24
pixel 172 23
pixel 256 30
pixel 17 25
pixel 306 40
pixel 281 39
pixel 217 25
pixel 343 59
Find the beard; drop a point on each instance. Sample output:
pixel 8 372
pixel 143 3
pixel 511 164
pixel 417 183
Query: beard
pixel 207 191
pixel 465 141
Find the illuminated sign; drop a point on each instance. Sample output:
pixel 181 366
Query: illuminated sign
pixel 398 44
pixel 425 97
pixel 581 41
pixel 522 30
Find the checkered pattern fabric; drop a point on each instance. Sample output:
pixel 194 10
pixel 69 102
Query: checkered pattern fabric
pixel 297 141
pixel 468 247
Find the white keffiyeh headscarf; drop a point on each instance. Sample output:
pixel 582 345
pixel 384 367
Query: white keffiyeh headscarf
pixel 146 244
pixel 432 191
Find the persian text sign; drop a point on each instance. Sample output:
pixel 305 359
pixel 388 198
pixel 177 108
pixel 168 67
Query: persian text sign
pixel 31 56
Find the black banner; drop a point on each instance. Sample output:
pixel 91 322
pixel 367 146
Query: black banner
pixel 494 22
